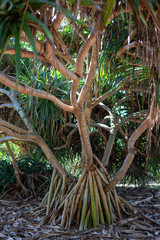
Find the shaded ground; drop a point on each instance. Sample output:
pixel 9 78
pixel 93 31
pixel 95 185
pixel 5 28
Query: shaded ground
pixel 16 221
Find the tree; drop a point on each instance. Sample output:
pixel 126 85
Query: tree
pixel 76 57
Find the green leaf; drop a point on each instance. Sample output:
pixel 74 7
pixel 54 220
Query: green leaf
pixel 3 33
pixel 3 5
pixel 28 32
pixel 29 16
pixel 143 20
pixel 15 28
pixel 17 54
pixel 109 7
pixel 83 2
pixel 44 1
pixel 122 13
pixel 150 4
pixel 137 6
pixel 63 10
pixel 87 2
pixel 156 2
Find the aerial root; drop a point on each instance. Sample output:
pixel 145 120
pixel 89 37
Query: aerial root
pixel 86 204
pixel 54 199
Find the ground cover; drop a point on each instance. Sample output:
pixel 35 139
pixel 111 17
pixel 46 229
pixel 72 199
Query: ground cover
pixel 18 220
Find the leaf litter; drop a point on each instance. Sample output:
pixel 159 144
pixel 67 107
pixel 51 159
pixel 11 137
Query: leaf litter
pixel 18 219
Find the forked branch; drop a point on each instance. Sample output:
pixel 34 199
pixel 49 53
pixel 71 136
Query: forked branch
pixel 23 88
pixel 131 153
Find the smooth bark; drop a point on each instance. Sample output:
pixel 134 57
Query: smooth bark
pixel 16 133
pixel 23 88
pixel 131 153
pixel 16 168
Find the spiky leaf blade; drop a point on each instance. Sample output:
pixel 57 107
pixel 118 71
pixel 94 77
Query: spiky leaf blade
pixel 28 32
pixel 30 17
pixel 109 7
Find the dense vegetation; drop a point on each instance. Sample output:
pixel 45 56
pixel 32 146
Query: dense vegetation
pixel 86 96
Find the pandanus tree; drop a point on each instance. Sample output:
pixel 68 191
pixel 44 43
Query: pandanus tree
pixel 92 200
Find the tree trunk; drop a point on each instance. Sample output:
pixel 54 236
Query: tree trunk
pixel 108 149
pixel 83 130
pixel 51 157
pixel 16 169
pixel 131 153
pixel 87 113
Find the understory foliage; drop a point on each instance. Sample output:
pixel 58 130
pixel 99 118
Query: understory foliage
pixel 83 86
pixel 35 173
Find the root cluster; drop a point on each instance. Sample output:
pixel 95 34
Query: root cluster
pixel 83 204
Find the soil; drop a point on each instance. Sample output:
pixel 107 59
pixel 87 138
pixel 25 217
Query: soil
pixel 19 221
